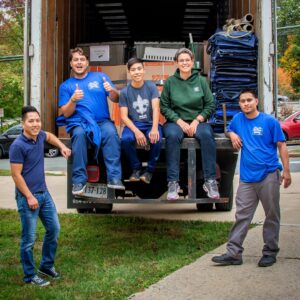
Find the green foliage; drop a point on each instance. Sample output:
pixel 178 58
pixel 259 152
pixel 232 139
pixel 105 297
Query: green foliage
pixel 290 61
pixel 11 43
pixel 106 257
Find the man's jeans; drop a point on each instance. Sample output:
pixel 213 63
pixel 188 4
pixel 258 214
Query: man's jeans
pixel 48 215
pixel 111 149
pixel 129 146
pixel 174 137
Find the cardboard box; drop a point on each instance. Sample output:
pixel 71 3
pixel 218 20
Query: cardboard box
pixel 158 71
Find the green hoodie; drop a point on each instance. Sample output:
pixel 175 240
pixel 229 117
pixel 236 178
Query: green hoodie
pixel 186 99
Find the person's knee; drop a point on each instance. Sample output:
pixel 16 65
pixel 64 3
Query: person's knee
pixel 78 134
pixel 171 134
pixel 204 132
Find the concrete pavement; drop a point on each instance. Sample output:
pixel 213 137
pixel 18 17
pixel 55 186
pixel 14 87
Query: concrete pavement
pixel 203 279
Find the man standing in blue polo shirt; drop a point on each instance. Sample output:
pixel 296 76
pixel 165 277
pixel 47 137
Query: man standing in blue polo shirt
pixel 26 156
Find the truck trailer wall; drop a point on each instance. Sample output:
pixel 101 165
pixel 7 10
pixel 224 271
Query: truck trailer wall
pixel 58 25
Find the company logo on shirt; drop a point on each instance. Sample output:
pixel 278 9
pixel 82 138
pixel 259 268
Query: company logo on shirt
pixel 93 85
pixel 141 106
pixel 257 131
pixel 196 89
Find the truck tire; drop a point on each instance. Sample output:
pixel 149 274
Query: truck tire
pixel 104 209
pixel 85 210
pixel 226 206
pixel 205 206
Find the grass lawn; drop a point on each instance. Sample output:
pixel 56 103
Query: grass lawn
pixel 108 256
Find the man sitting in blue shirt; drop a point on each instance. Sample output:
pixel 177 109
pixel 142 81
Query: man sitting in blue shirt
pixel 26 156
pixel 83 103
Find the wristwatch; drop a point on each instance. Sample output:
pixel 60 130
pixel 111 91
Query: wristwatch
pixel 73 100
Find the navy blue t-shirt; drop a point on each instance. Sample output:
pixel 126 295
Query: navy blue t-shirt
pixel 30 154
pixel 139 101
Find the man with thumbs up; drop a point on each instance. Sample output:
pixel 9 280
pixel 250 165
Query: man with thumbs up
pixel 83 103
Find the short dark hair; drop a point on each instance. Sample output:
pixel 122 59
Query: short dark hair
pixel 79 51
pixel 184 50
pixel 247 90
pixel 27 109
pixel 134 60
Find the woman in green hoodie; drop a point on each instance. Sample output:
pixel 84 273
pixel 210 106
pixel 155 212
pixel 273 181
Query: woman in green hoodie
pixel 186 103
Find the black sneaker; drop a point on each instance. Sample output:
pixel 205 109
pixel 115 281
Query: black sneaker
pixel 49 272
pixel 146 177
pixel 36 280
pixel 116 184
pixel 78 188
pixel 226 260
pixel 267 261
pixel 135 176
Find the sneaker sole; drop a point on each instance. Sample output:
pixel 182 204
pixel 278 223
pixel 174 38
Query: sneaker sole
pixel 266 265
pixel 134 179
pixel 232 263
pixel 79 192
pixel 116 187
pixel 45 274
pixel 41 285
pixel 209 196
pixel 144 180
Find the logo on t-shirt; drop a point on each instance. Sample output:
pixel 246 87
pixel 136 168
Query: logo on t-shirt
pixel 257 131
pixel 141 106
pixel 196 89
pixel 93 85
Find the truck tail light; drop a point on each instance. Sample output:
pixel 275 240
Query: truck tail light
pixel 93 173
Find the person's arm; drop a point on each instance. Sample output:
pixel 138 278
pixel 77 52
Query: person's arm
pixel 16 173
pixel 53 140
pixel 208 102
pixel 154 133
pixel 139 136
pixel 284 156
pixel 235 140
pixel 113 93
pixel 68 109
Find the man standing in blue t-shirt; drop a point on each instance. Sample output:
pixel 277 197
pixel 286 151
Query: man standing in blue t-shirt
pixel 26 156
pixel 258 135
pixel 83 103
pixel 139 106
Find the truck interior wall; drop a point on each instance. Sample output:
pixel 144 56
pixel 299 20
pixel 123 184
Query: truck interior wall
pixel 67 23
pixel 55 44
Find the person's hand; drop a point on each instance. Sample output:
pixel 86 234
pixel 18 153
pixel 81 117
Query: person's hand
pixel 193 128
pixel 183 125
pixel 78 94
pixel 154 136
pixel 32 202
pixel 65 152
pixel 107 85
pixel 236 141
pixel 140 138
pixel 286 178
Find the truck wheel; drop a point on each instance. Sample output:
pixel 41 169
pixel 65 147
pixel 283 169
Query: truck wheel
pixel 205 206
pixel 104 209
pixel 226 206
pixel 85 210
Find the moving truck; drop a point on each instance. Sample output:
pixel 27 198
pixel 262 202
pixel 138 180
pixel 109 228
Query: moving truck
pixel 115 30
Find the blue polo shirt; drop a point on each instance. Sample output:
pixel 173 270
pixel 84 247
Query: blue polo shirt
pixel 30 154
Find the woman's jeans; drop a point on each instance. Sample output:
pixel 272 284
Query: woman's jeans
pixel 48 215
pixel 174 136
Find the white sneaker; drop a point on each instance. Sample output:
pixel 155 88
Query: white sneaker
pixel 173 189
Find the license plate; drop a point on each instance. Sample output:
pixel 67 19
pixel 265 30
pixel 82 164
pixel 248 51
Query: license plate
pixel 95 190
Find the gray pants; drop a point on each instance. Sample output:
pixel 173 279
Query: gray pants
pixel 247 197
